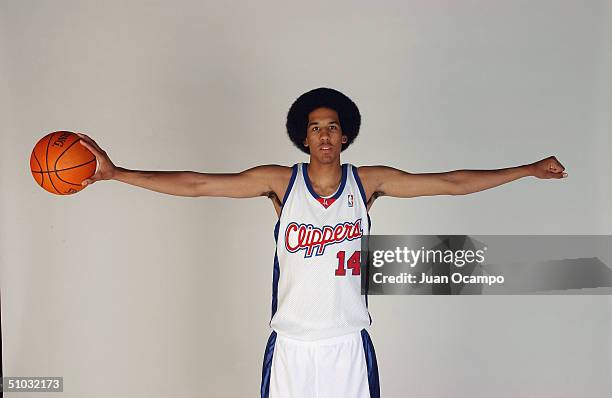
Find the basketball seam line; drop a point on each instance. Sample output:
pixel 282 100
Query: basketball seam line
pixel 59 157
pixel 62 154
pixel 39 165
pixel 47 163
pixel 67 168
pixel 67 182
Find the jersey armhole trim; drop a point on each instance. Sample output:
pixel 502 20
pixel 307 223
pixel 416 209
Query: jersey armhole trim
pixel 290 185
pixel 361 190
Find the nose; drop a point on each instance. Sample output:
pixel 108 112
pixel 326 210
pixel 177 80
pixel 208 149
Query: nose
pixel 324 133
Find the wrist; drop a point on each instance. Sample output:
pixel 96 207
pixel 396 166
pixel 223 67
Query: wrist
pixel 117 173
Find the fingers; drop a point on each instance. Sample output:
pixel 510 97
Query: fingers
pixel 556 175
pixel 89 143
pixel 87 139
pixel 559 163
pixel 93 150
pixel 554 165
pixel 90 180
pixel 554 168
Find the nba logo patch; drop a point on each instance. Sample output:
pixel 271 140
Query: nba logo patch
pixel 350 200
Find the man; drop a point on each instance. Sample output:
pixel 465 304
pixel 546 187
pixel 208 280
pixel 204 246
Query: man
pixel 319 346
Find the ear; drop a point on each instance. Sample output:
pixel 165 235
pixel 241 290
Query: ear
pixel 344 139
pixel 305 142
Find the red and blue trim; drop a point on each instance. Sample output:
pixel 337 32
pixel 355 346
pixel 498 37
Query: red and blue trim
pixel 325 202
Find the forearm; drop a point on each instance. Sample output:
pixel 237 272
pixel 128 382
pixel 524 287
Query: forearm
pixel 470 181
pixel 179 183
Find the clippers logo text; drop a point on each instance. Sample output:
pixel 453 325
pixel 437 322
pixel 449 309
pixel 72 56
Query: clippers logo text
pixel 307 237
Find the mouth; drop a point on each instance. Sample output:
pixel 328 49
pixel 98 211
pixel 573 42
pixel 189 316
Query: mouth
pixel 326 148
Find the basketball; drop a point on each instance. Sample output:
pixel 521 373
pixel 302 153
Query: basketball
pixel 59 163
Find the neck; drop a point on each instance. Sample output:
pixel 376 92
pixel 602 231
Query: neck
pixel 325 175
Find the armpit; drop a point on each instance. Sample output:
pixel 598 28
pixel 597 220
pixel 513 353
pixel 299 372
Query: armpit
pixel 374 196
pixel 275 201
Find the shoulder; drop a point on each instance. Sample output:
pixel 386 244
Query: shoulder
pixel 269 174
pixel 270 171
pixel 276 176
pixel 367 171
pixel 373 175
pixel 281 174
pixel 373 170
pixel 370 177
pixel 373 178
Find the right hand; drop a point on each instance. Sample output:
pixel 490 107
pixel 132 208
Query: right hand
pixel 106 168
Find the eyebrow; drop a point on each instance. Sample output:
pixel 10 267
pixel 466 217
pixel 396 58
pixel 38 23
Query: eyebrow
pixel 315 122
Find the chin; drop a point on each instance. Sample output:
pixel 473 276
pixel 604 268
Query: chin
pixel 327 158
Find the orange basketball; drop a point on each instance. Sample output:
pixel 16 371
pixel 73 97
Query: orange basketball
pixel 59 163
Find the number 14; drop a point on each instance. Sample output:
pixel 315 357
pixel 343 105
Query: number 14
pixel 354 263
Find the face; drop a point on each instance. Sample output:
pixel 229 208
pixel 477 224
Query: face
pixel 324 135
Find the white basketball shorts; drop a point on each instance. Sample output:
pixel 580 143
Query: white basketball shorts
pixel 343 366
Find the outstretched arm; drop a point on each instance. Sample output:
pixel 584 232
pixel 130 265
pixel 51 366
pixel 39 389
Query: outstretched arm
pixel 387 181
pixel 268 180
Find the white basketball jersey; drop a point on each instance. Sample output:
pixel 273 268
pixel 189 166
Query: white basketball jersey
pixel 317 275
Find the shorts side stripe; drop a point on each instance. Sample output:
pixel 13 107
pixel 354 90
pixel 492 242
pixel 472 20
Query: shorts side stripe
pixel 267 366
pixel 370 357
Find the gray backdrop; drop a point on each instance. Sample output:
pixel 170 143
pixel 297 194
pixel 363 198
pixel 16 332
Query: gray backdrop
pixel 148 295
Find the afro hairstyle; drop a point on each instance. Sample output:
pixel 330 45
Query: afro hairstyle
pixel 297 117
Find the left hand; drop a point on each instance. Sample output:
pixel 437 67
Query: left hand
pixel 548 168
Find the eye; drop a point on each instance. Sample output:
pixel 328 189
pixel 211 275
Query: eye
pixel 315 128
pixel 333 127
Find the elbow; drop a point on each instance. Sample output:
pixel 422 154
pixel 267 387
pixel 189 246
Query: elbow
pixel 198 186
pixel 198 189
